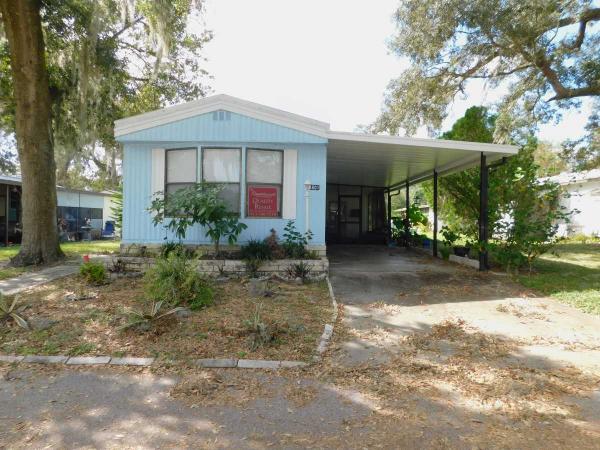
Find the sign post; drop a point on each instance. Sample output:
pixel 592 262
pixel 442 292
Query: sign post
pixel 307 188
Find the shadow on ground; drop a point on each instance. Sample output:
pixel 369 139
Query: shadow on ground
pixel 443 358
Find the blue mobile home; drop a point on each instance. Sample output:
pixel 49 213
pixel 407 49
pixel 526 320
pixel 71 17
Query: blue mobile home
pixel 264 157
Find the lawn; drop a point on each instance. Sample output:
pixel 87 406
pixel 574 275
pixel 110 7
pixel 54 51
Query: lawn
pixel 70 248
pixel 293 314
pixel 571 276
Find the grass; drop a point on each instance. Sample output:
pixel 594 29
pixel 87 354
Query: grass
pixel 572 275
pixel 94 326
pixel 70 248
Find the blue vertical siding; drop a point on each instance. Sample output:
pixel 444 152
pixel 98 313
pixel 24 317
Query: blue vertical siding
pixel 240 131
pixel 137 222
pixel 238 128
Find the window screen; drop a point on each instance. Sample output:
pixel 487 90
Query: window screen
pixel 264 183
pixel 180 170
pixel 222 166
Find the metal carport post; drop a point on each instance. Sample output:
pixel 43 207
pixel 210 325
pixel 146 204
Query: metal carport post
pixel 483 213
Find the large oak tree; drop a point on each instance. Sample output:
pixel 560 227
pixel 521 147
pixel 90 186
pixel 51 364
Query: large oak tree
pixel 545 53
pixel 75 66
pixel 23 28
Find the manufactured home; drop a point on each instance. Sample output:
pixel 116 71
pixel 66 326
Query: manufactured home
pixel 276 166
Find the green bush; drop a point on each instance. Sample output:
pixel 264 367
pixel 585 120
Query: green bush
pixel 176 248
pixel 300 270
pixel 252 266
pixel 93 273
pixel 294 242
pixel 147 320
pixel 176 281
pixel 445 252
pixel 255 249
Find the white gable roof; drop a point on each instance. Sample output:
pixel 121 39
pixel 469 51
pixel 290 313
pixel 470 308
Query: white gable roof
pixel 220 102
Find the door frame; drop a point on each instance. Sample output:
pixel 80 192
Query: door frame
pixel 340 221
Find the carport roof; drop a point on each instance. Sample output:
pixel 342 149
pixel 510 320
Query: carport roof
pixel 383 161
pixel 352 158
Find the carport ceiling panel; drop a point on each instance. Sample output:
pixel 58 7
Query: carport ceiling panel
pixel 377 165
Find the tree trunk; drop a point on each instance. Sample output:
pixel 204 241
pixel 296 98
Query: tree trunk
pixel 23 28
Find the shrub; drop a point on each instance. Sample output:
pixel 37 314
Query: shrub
pixel 12 311
pixel 445 252
pixel 299 270
pixel 295 242
pixel 146 320
pixel 176 281
pixel 176 248
pixel 199 204
pixel 256 250
pixel 260 332
pixel 252 266
pixel 449 236
pixel 277 251
pixel 93 273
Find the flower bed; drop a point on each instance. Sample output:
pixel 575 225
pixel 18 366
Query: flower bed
pixel 90 323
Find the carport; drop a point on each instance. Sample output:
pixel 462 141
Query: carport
pixel 364 171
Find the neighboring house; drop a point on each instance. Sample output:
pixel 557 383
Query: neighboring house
pixel 74 206
pixel 276 166
pixel 583 189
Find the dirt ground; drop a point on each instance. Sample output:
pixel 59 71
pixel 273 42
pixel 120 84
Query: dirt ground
pixel 294 313
pixel 425 355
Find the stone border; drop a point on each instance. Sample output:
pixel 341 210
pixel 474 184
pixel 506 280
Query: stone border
pixel 147 362
pixel 328 329
pixel 461 260
pixel 319 268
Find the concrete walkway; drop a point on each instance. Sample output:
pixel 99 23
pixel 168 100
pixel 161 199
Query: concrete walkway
pixel 29 280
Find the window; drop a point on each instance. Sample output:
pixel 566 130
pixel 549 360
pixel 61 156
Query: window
pixel 264 183
pixel 222 166
pixel 180 170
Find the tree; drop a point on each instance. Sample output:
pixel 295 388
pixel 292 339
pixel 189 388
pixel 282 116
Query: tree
pixel 459 192
pixel 117 210
pixel 545 53
pixel 199 204
pixel 104 63
pixel 100 60
pixel 23 28
pixel 584 153
pixel 548 160
pixel 523 219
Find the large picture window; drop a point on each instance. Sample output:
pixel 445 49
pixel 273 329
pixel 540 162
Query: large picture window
pixel 180 169
pixel 223 166
pixel 264 183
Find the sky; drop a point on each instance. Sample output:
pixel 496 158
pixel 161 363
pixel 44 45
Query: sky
pixel 325 59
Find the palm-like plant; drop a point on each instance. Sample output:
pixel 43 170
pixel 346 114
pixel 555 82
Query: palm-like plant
pixel 143 320
pixel 12 311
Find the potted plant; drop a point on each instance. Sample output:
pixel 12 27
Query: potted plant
pixel 461 250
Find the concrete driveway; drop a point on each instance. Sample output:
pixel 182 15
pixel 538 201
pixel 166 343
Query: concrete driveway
pixel 391 293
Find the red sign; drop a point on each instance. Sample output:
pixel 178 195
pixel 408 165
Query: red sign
pixel 262 201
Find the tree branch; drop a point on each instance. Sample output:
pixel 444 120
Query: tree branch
pixel 589 15
pixel 127 26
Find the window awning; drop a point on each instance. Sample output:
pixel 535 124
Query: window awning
pixel 383 161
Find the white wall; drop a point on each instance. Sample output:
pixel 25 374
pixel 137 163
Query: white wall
pixel 585 197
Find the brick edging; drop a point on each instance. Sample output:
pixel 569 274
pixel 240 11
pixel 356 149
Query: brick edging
pixel 147 362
